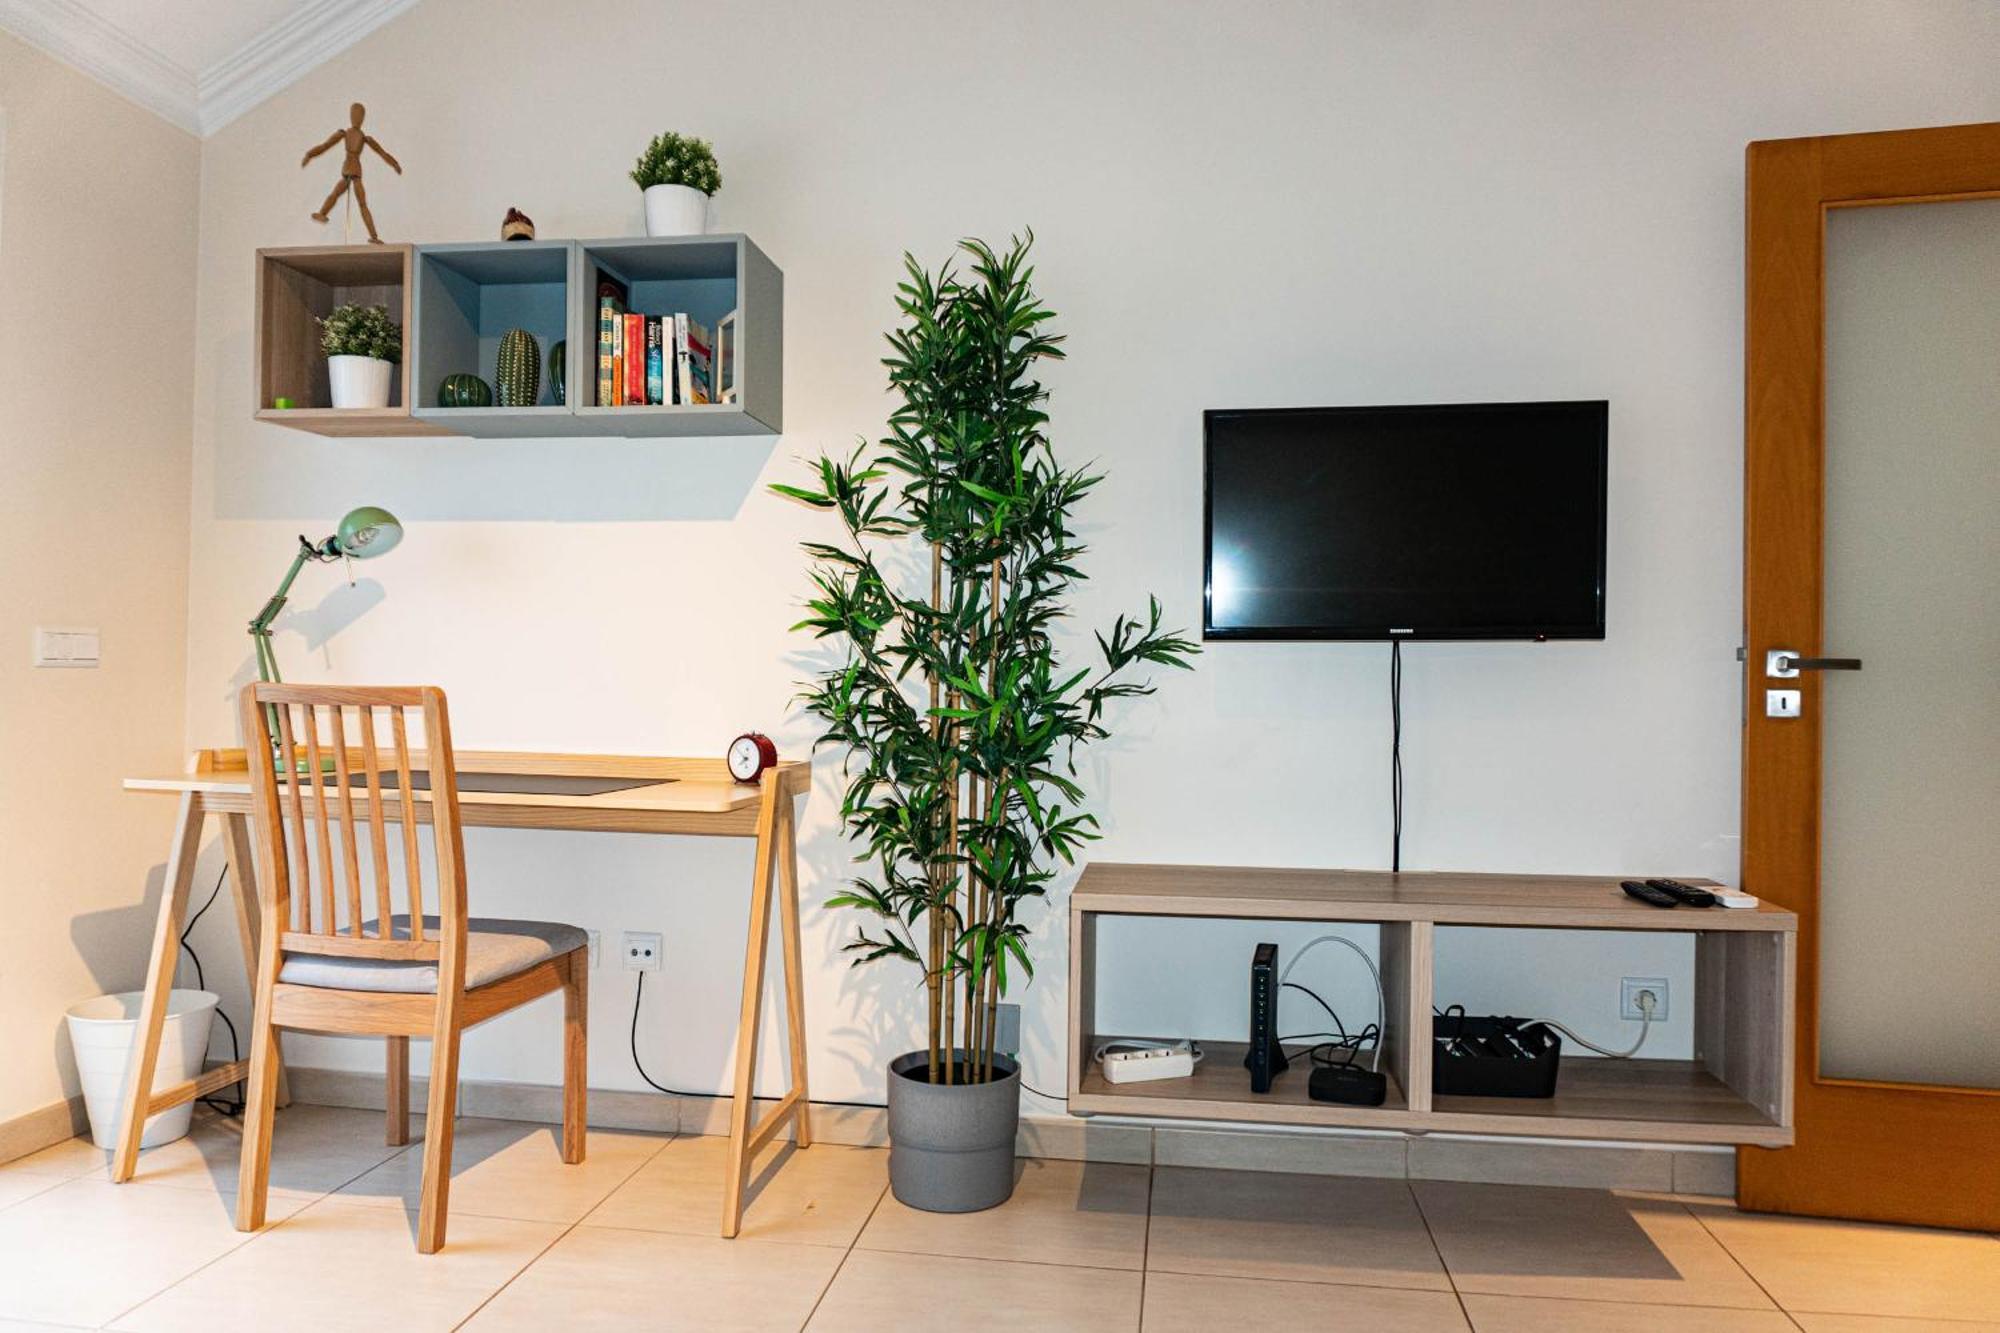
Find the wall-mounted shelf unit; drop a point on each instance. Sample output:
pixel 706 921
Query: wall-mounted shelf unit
pixel 296 286
pixel 467 296
pixel 455 300
pixel 707 277
pixel 1737 1089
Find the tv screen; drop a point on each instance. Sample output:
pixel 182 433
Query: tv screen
pixel 1460 521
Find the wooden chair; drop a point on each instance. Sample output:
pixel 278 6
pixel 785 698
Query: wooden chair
pixel 346 962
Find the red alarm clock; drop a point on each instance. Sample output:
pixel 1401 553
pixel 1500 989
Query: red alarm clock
pixel 750 754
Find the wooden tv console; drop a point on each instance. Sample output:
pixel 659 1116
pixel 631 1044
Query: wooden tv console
pixel 1737 1089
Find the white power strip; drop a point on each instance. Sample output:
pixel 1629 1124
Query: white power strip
pixel 1168 1060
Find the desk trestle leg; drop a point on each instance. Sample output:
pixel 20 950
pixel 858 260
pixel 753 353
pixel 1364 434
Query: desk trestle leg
pixel 776 849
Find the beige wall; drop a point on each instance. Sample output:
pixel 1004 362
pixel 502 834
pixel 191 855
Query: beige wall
pixel 97 292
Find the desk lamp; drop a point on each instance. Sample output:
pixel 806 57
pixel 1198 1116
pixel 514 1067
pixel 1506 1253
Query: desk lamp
pixel 364 534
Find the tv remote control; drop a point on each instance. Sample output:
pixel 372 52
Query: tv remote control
pixel 1685 894
pixel 1647 894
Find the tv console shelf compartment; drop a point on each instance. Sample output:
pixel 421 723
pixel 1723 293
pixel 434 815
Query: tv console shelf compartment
pixel 1737 1089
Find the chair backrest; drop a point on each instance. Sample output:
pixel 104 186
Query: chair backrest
pixel 308 772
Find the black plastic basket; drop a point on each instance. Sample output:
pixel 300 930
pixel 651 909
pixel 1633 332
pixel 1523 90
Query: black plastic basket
pixel 1493 1057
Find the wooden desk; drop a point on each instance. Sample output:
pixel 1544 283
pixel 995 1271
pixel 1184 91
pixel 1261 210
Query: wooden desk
pixel 689 796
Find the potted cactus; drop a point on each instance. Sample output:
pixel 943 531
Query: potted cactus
pixel 362 346
pixel 677 174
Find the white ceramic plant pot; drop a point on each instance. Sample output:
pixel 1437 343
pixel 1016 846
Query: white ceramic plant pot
pixel 675 210
pixel 359 381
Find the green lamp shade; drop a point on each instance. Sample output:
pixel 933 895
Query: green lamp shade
pixel 368 532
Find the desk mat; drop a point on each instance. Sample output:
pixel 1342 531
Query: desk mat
pixel 522 784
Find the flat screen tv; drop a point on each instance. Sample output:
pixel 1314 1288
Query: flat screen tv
pixel 1458 521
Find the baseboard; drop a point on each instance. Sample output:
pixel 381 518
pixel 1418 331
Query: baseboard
pixel 43 1127
pixel 1490 1159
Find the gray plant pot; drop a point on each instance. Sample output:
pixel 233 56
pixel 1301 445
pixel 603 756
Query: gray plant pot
pixel 951 1147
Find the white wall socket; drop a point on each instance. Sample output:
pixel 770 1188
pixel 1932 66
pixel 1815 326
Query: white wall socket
pixel 642 951
pixel 1628 998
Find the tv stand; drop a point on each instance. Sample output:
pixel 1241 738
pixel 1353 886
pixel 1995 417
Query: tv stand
pixel 1737 1089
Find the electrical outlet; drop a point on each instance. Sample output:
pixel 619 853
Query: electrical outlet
pixel 1007 1029
pixel 596 948
pixel 642 951
pixel 1628 998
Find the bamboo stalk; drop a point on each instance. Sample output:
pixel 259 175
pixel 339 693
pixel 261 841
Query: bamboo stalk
pixel 932 975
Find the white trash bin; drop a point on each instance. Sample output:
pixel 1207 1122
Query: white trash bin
pixel 100 1032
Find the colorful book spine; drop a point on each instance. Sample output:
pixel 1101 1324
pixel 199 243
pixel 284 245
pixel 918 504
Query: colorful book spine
pixel 656 366
pixel 701 365
pixel 608 316
pixel 635 359
pixel 683 383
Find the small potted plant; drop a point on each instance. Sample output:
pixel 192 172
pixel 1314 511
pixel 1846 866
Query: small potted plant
pixel 362 346
pixel 677 175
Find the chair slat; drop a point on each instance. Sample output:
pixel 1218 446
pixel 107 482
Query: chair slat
pixel 413 866
pixel 378 832
pixel 288 779
pixel 350 849
pixel 330 922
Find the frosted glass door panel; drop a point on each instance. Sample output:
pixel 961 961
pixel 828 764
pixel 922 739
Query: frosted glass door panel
pixel 1910 774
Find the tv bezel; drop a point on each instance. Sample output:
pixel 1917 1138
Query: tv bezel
pixel 1398 633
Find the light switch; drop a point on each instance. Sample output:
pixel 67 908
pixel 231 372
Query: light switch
pixel 1781 703
pixel 65 647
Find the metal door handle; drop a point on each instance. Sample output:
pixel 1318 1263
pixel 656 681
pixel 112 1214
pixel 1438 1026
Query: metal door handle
pixel 1782 663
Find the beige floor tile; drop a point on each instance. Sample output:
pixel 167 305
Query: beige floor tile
pixel 87 1250
pixel 1855 1268
pixel 1525 1240
pixel 880 1292
pixel 504 1168
pixel 816 1196
pixel 69 1160
pixel 1534 1314
pixel 336 1266
pixel 313 1149
pixel 617 1280
pixel 1090 1214
pixel 1181 1303
pixel 23 1185
pixel 1336 1229
pixel 18 1326
pixel 1871 1323
pixel 1889 1323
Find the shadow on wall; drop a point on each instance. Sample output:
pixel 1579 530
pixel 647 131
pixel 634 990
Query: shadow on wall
pixel 341 607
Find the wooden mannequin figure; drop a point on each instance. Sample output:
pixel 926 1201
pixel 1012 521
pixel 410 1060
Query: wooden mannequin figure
pixel 350 167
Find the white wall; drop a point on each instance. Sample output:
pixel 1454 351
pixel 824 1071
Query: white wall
pixel 1286 203
pixel 97 289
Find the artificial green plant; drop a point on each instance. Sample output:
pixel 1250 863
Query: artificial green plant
pixel 959 719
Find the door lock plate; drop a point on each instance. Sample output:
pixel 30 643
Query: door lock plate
pixel 1782 703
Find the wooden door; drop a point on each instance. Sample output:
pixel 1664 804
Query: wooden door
pixel 1912 1149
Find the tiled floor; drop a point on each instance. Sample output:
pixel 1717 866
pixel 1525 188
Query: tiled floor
pixel 627 1241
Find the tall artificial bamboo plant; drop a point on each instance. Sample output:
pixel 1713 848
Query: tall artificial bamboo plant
pixel 960 723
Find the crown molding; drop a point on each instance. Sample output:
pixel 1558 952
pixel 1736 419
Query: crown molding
pixel 203 102
pixel 130 68
pixel 284 53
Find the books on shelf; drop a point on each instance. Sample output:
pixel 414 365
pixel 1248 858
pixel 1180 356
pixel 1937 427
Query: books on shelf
pixel 649 360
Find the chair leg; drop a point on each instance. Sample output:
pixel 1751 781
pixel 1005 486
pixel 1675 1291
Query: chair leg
pixel 397 1082
pixel 576 1049
pixel 253 1177
pixel 438 1125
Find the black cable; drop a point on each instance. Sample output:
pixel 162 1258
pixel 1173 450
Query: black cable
pixel 638 992
pixel 1396 755
pixel 201 983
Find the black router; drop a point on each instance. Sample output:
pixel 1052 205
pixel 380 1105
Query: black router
pixel 1266 1059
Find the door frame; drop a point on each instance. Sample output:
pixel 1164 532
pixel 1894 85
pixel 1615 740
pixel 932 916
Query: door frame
pixel 1937 1163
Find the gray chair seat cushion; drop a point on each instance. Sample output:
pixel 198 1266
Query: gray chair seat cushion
pixel 494 949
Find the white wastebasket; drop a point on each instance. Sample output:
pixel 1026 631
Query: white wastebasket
pixel 100 1032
